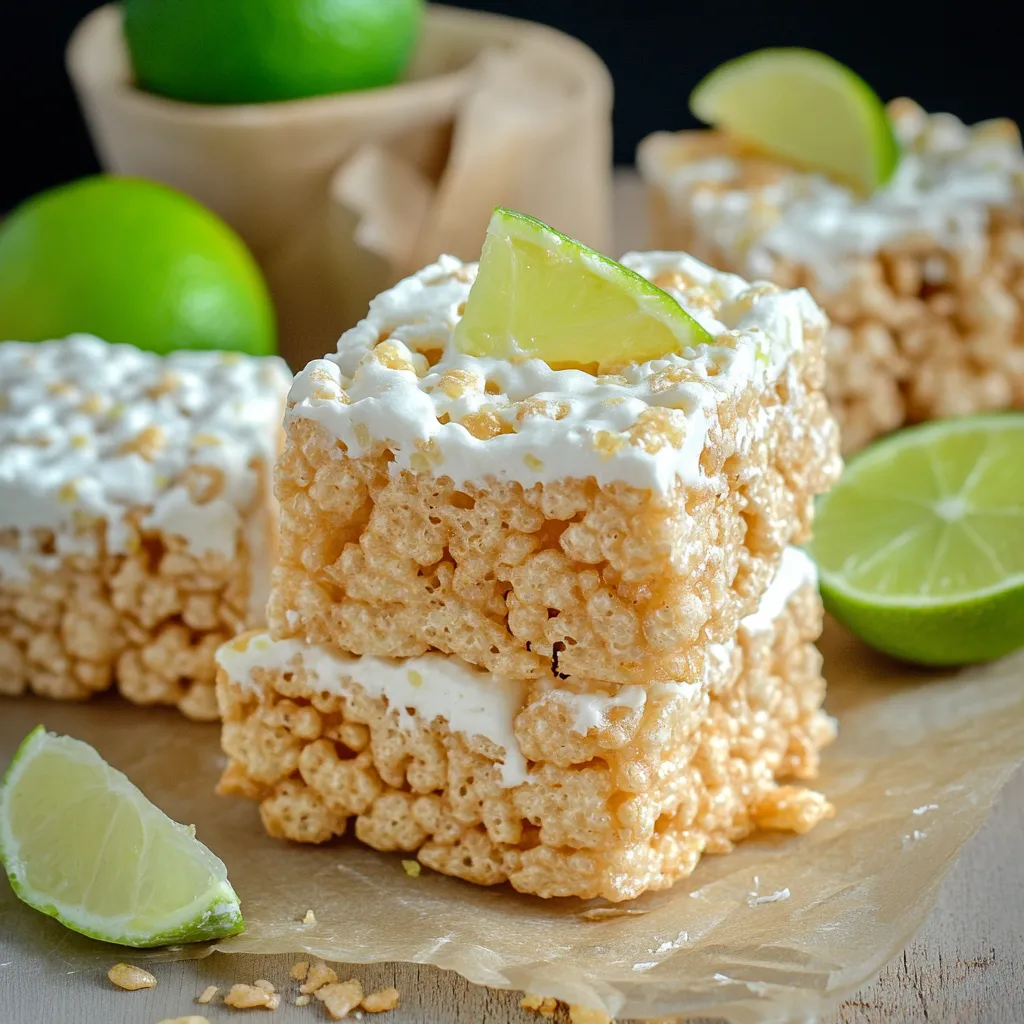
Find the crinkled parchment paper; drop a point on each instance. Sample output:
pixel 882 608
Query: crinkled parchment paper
pixel 778 930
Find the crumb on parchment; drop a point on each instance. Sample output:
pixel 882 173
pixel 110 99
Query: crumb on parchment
pixel 300 969
pixel 310 918
pixel 303 1000
pixel 381 1001
pixel 544 1005
pixel 130 978
pixel 318 976
pixel 207 994
pixel 191 1019
pixel 260 995
pixel 412 868
pixel 340 998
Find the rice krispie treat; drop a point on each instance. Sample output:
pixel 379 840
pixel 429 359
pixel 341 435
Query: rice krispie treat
pixel 136 521
pixel 923 279
pixel 559 786
pixel 537 520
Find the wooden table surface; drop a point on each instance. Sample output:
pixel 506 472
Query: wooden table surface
pixel 965 966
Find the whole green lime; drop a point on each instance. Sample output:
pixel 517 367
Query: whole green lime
pixel 130 261
pixel 257 51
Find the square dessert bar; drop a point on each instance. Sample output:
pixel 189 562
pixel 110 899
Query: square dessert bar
pixel 923 280
pixel 559 788
pixel 541 522
pixel 137 525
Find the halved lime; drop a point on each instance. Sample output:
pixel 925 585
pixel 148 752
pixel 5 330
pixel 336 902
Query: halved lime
pixel 920 546
pixel 540 294
pixel 82 844
pixel 805 108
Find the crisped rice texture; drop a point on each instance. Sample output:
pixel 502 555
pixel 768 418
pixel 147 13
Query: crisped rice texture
pixel 148 622
pixel 567 579
pixel 628 806
pixel 920 331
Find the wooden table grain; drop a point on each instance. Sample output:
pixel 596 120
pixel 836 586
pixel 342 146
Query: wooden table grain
pixel 965 967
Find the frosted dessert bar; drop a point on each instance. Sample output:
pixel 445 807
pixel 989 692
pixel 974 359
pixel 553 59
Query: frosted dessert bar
pixel 558 786
pixel 923 280
pixel 136 521
pixel 538 521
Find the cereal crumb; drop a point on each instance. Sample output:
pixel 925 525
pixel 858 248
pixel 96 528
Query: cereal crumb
pixel 251 997
pixel 310 918
pixel 300 969
pixel 208 993
pixel 318 975
pixel 130 978
pixel 412 868
pixel 585 1015
pixel 544 1005
pixel 340 998
pixel 382 1001
pixel 303 1000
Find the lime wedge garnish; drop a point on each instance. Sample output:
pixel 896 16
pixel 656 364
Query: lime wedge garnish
pixel 805 108
pixel 921 544
pixel 540 294
pixel 82 844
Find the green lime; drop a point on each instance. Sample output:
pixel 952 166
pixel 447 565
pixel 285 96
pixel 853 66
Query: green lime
pixel 921 544
pixel 82 844
pixel 130 261
pixel 803 107
pixel 540 294
pixel 257 51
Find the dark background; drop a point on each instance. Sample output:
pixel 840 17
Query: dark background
pixel 962 57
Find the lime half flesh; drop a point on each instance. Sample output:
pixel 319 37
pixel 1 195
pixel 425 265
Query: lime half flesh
pixel 920 546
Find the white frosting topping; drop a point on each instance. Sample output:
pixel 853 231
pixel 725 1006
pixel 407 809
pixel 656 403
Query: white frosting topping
pixel 470 417
pixel 795 571
pixel 473 701
pixel 94 430
pixel 948 179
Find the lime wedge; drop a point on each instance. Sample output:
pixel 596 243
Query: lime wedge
pixel 82 844
pixel 803 107
pixel 920 546
pixel 540 294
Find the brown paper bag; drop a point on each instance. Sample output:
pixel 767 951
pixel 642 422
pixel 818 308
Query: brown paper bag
pixel 340 196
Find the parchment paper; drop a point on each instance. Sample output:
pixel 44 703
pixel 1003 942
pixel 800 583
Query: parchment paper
pixel 919 761
pixel 340 196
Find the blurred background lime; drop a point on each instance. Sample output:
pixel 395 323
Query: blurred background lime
pixel 130 261
pixel 256 51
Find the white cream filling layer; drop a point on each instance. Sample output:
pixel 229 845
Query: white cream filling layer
pixel 948 179
pixel 90 430
pixel 474 702
pixel 366 398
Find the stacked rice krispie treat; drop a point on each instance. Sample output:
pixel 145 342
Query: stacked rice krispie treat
pixel 536 624
pixel 923 280
pixel 137 523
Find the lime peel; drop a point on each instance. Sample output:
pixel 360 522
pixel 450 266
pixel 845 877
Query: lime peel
pixel 540 294
pixel 55 798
